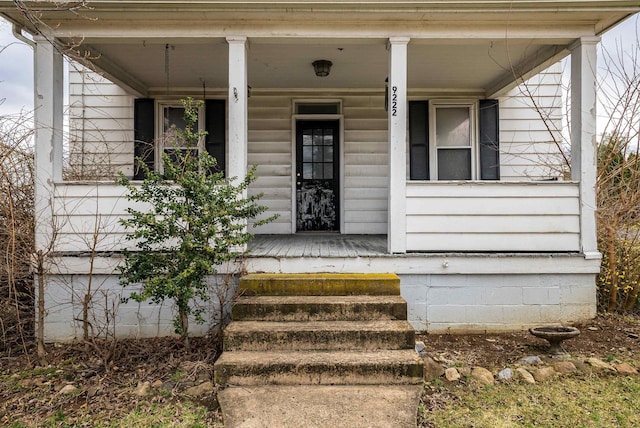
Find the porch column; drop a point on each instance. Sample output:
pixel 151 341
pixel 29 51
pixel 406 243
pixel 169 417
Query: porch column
pixel 397 111
pixel 238 128
pixel 583 138
pixel 48 110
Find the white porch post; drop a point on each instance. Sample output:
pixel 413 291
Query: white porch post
pixel 396 221
pixel 48 111
pixel 583 137
pixel 238 127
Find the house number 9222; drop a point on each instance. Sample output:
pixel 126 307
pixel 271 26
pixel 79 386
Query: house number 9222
pixel 394 101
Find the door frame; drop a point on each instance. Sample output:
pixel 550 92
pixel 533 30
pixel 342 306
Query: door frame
pixel 294 132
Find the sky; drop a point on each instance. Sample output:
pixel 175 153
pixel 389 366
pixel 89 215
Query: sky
pixel 16 63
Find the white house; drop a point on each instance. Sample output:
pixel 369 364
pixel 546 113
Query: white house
pixel 421 153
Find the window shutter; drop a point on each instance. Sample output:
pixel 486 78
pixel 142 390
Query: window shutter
pixel 215 121
pixel 418 140
pixel 489 140
pixel 143 134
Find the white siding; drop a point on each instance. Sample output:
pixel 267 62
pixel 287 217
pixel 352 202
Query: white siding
pixel 492 216
pixel 100 127
pixel 271 140
pixel 530 129
pixel 101 142
pixel 366 174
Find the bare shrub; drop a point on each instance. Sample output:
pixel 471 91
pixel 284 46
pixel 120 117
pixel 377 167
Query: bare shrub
pixel 16 232
pixel 618 181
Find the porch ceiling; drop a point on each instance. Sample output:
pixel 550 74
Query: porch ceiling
pixel 453 64
pixel 460 45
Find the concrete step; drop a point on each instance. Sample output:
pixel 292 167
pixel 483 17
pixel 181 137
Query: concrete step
pixel 319 368
pixel 323 284
pixel 319 308
pixel 318 335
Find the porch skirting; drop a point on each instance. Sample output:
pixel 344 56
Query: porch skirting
pixel 445 292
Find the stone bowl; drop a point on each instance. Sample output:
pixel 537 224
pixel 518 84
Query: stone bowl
pixel 555 335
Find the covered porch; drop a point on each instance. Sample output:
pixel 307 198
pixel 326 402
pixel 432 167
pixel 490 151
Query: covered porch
pixel 263 76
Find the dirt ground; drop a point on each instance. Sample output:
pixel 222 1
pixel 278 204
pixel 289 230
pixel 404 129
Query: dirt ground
pixel 605 337
pixel 106 378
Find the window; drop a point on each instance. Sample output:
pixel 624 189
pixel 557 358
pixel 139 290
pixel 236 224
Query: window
pixel 453 140
pixel 317 107
pixel 171 119
pixel 152 126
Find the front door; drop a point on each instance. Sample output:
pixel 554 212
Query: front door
pixel 317 175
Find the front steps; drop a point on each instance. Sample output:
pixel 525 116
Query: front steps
pixel 319 329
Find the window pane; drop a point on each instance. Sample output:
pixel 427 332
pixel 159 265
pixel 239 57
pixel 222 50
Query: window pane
pixel 317 137
pixel 328 137
pixel 452 126
pixel 307 154
pixel 317 153
pixel 454 164
pixel 318 108
pixel 174 116
pixel 307 171
pixel 317 171
pixel 328 171
pixel 306 137
pixel 328 153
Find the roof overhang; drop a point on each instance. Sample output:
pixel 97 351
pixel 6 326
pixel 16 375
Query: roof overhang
pixel 475 45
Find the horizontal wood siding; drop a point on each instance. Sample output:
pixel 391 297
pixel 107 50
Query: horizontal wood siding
pixel 269 148
pixel 100 127
pixel 366 174
pixel 530 124
pixel 493 216
pixel 87 217
pixel 364 161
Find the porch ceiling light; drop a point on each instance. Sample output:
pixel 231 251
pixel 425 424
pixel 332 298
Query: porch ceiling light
pixel 322 67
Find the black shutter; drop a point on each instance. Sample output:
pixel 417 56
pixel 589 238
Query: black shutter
pixel 143 134
pixel 419 140
pixel 489 140
pixel 215 121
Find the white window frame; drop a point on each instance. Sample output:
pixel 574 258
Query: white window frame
pixel 159 146
pixel 472 105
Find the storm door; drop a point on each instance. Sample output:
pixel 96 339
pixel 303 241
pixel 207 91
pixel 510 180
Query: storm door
pixel 317 176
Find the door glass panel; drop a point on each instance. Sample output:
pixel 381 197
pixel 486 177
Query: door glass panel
pixel 307 171
pixel 306 137
pixel 317 153
pixel 307 154
pixel 452 127
pixel 328 137
pixel 318 171
pixel 328 153
pixel 328 170
pixel 317 137
pixel 454 164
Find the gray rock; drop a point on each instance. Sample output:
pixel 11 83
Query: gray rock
pixel 505 375
pixel 419 347
pixel 482 375
pixel 452 374
pixel 432 370
pixel 531 360
pixel 200 390
pixel 526 376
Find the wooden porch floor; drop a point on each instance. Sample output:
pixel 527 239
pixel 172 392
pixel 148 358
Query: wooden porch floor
pixel 318 245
